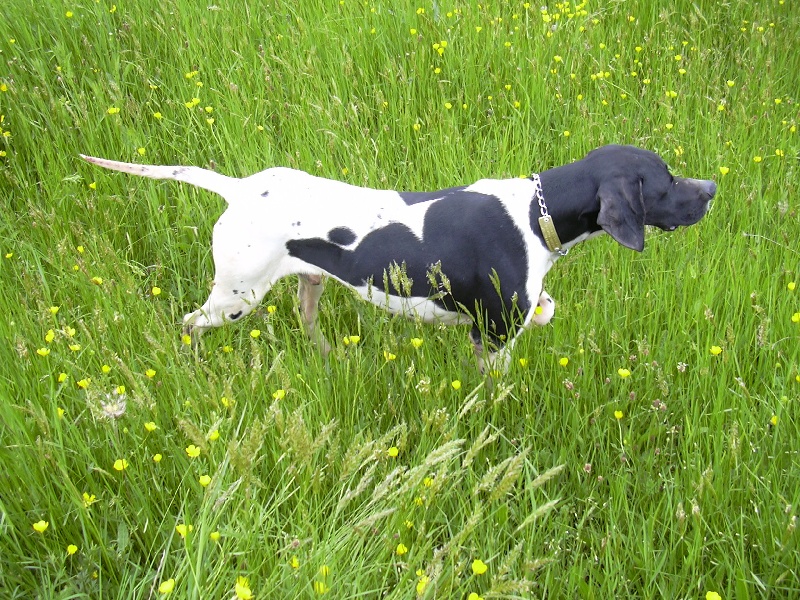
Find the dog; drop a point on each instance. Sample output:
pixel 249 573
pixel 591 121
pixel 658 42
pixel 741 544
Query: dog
pixel 474 254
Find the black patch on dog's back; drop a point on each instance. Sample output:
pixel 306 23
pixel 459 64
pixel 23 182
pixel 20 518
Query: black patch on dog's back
pixel 343 236
pixel 472 237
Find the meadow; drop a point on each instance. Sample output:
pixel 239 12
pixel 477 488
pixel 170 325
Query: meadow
pixel 643 444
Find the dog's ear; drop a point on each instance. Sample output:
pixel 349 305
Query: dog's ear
pixel 622 211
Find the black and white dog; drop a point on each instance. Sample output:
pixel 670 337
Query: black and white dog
pixel 473 254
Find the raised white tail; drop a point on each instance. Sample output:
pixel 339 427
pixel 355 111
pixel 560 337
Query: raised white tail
pixel 203 178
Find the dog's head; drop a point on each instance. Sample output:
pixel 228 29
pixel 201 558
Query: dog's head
pixel 635 189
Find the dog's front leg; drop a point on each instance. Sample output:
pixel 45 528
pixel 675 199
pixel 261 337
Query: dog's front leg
pixel 309 291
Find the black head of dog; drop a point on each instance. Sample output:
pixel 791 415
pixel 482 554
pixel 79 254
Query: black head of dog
pixel 635 188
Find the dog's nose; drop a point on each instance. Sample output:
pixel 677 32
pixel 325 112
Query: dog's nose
pixel 706 186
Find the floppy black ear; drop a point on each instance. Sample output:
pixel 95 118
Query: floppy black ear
pixel 622 211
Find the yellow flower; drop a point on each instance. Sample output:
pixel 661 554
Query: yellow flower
pixel 54 310
pixel 68 14
pixel 563 361
pixel 416 126
pixel 141 151
pixel 791 286
pixel 158 115
pixel 227 349
pixel 242 589
pixel 623 373
pixel 320 587
pixel 75 347
pixel 213 436
pixel 401 549
pixel 112 110
pixel 214 535
pixel 156 291
pixel 271 309
pixel 49 336
pixel 255 333
pixel 388 355
pixel 715 350
pixel 192 451
pixel 294 562
pixel 183 529
pixel 566 134
pixel 352 339
pixel 157 458
pixel 416 342
pixel 393 452
pixel 120 464
pixel 105 369
pixel 474 596
pixel 456 384
pixel 795 318
pixel 479 567
pixel 43 351
pixel 62 377
pixel 40 526
pixel 724 171
pixel 186 339
pixel 523 362
pixel 757 159
pixel 84 383
pixel 205 480
pixel 618 414
pixel 88 499
pixel 774 420
pixel 713 596
pixel 422 583
pixel 71 549
pixel 150 426
pixel 412 31
pixel 165 587
pixel 279 394
pixel 97 280
pixel 150 373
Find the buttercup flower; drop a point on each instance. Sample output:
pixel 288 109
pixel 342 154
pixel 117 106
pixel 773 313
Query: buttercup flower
pixel 71 549
pixel 165 587
pixel 192 451
pixel 393 452
pixel 715 350
pixel 242 589
pixel 623 373
pixel 120 464
pixel 40 526
pixel 401 549
pixel 205 480
pixel 479 567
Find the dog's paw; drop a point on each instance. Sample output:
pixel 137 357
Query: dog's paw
pixel 544 310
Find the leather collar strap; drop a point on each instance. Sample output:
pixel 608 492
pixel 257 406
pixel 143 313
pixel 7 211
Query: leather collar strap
pixel 546 221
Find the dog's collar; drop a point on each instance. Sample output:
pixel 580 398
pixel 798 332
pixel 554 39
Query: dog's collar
pixel 546 221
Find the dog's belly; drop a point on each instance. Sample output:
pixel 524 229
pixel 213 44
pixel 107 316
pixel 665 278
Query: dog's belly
pixel 414 307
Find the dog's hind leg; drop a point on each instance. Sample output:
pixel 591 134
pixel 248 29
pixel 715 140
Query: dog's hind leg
pixel 309 291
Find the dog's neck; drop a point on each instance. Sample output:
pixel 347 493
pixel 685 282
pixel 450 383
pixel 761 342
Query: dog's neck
pixel 572 202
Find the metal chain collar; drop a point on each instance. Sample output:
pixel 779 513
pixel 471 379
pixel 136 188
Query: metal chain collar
pixel 546 221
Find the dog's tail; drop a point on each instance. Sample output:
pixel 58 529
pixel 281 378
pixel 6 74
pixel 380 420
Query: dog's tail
pixel 203 178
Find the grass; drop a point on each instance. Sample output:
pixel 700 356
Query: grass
pixel 369 477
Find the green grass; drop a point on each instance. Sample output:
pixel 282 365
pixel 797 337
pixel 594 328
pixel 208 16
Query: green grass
pixel 693 490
